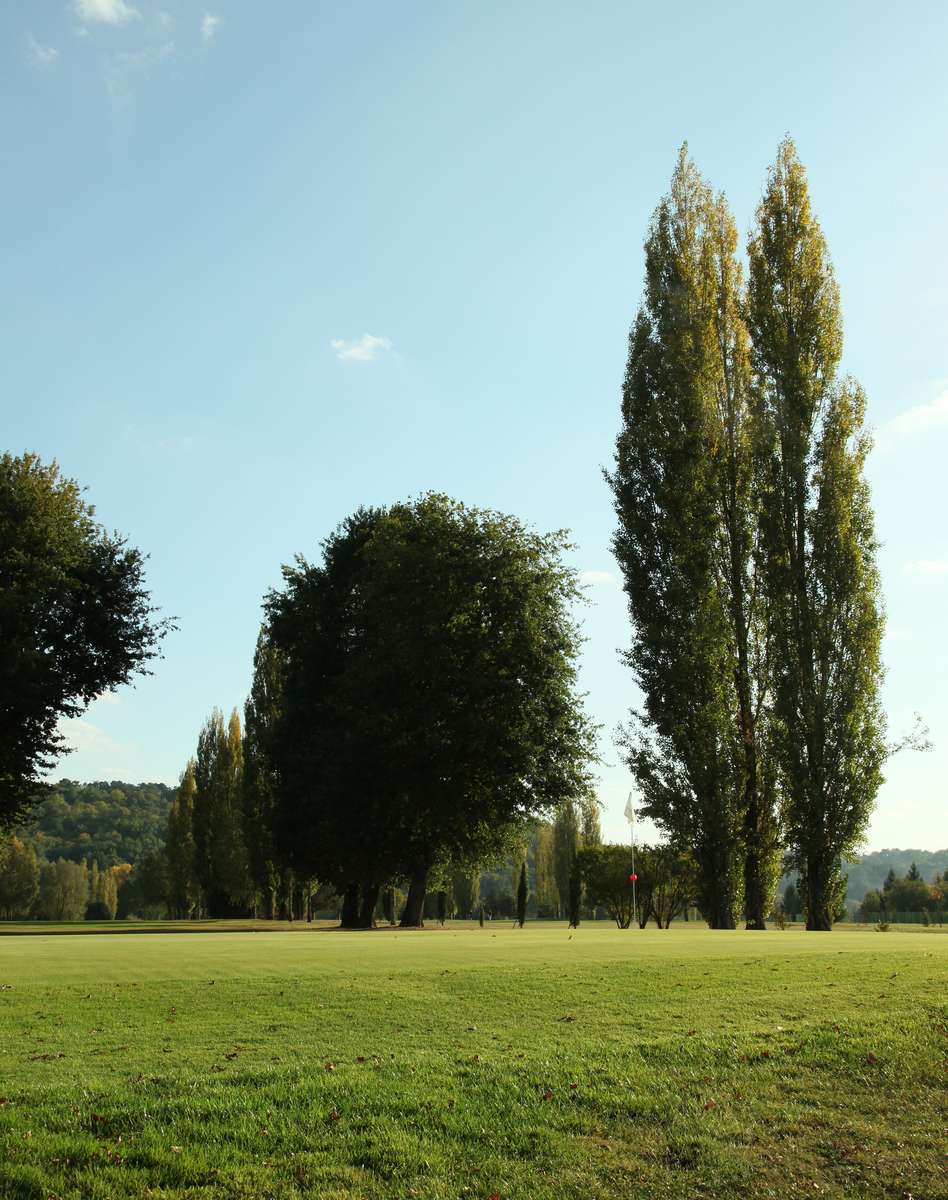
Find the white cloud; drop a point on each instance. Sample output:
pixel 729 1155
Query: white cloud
pixel 163 18
pixel 82 735
pixel 209 26
pixel 38 55
pixel 923 418
pixel 927 566
pixel 597 578
pixel 104 12
pixel 363 349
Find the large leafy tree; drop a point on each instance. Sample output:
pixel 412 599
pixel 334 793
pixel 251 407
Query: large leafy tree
pixel 818 545
pixel 429 704
pixel 75 619
pixel 680 461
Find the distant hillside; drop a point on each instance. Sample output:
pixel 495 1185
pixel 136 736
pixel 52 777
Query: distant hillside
pixel 870 871
pixel 110 822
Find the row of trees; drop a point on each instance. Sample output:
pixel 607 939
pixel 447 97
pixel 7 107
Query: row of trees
pixel 905 894
pixel 55 891
pixel 748 551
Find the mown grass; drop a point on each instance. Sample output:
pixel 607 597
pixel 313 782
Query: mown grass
pixel 474 1063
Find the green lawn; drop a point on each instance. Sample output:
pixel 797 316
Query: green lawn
pixel 474 1063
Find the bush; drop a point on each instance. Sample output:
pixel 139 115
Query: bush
pixel 883 927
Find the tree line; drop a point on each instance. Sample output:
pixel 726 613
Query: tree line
pixel 414 705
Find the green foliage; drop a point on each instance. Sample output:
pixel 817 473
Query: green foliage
pixel 109 822
pixel 567 841
pixel 19 877
pixel 75 621
pixel 474 610
pixel 605 874
pixel 260 784
pixel 183 893
pixel 523 892
pixel 792 904
pixel 63 891
pixel 683 749
pixel 220 851
pixel 667 883
pixel 817 543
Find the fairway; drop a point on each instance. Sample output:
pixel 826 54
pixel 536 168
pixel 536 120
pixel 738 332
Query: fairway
pixel 473 1063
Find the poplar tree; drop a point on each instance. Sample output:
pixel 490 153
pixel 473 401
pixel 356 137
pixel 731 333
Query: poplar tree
pixel 261 713
pixel 817 545
pixel 466 886
pixel 522 895
pixel 183 892
pixel 566 845
pixel 684 747
pixel 221 861
pixel 547 896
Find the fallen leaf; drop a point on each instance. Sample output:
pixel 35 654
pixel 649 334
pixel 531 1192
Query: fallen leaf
pixel 548 1094
pixel 709 1104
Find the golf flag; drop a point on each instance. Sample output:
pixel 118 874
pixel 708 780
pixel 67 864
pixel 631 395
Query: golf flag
pixel 629 810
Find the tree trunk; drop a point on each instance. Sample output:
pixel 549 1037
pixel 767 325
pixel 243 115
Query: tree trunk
pixel 818 898
pixel 413 916
pixel 370 897
pixel 349 918
pixel 755 868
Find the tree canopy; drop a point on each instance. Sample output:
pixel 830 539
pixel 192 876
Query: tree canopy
pixel 75 619
pixel 428 699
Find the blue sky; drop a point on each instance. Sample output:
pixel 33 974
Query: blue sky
pixel 265 263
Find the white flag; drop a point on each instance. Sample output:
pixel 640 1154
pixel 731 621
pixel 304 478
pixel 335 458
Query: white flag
pixel 629 810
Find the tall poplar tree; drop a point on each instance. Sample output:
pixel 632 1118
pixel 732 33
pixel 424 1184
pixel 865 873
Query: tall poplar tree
pixel 183 891
pixel 817 546
pixel 221 861
pixel 685 749
pixel 566 845
pixel 261 712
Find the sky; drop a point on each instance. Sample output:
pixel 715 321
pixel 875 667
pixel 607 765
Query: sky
pixel 266 263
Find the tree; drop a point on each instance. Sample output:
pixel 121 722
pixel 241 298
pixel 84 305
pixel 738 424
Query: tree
pixel 522 894
pixel 183 889
pixel 428 694
pixel 75 620
pixel 576 890
pixel 872 906
pixel 545 879
pixel 466 886
pixel 605 872
pixel 220 852
pixel 908 896
pixel 791 901
pixel 259 778
pixel 913 872
pixel 567 840
pixel 817 543
pixel 666 883
pixel 63 891
pixel 680 455
pixel 19 878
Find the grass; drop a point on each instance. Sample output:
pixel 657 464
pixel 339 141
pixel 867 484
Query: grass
pixel 472 1063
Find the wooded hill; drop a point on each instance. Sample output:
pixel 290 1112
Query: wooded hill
pixel 107 822
pixel 116 822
